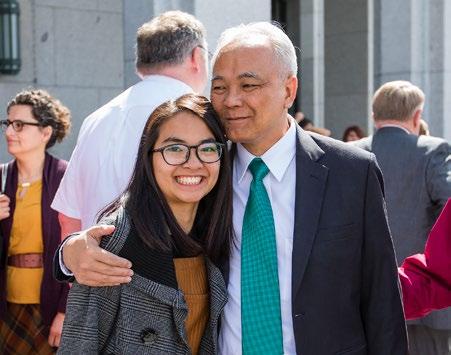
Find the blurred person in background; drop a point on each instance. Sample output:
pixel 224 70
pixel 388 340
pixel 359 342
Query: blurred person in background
pixel 424 128
pixel 353 133
pixel 299 116
pixel 32 302
pixel 307 125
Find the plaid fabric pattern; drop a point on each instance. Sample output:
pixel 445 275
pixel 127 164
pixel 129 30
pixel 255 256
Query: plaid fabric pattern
pixel 22 331
pixel 142 317
pixel 260 299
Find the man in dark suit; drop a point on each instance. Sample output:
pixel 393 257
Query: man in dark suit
pixel 333 264
pixel 417 175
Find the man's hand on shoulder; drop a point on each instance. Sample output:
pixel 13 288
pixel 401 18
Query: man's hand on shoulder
pixel 92 265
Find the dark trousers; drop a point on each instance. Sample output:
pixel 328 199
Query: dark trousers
pixel 428 341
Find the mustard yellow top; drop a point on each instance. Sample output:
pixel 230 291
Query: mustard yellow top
pixel 191 275
pixel 23 285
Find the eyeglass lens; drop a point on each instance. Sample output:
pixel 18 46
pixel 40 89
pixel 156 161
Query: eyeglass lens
pixel 17 124
pixel 179 153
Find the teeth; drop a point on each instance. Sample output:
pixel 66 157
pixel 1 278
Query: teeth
pixel 188 180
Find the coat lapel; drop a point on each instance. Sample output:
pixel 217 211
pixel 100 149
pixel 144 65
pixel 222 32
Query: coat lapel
pixel 311 178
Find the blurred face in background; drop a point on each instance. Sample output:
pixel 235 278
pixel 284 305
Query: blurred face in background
pixel 352 136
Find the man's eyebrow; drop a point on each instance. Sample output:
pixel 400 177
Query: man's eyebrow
pixel 248 74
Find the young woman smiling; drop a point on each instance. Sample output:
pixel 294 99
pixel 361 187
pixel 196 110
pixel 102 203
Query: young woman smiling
pixel 173 223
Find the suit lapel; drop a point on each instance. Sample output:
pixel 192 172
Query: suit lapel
pixel 311 178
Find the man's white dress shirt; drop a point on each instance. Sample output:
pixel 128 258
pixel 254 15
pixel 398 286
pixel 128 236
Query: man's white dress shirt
pixel 280 184
pixel 104 157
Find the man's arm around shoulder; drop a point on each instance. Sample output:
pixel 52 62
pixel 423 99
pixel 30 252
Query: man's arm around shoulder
pixel 91 265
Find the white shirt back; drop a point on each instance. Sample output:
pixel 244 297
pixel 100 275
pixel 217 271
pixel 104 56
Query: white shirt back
pixel 104 157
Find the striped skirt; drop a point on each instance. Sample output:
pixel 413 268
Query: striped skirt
pixel 22 332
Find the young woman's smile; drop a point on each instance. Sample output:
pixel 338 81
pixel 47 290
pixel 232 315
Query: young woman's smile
pixel 189 182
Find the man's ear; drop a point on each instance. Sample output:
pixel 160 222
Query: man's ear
pixel 416 119
pixel 196 59
pixel 291 87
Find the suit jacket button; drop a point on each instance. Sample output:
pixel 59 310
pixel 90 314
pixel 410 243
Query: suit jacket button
pixel 148 336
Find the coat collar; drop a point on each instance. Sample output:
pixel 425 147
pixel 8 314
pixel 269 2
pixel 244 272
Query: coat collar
pixel 277 158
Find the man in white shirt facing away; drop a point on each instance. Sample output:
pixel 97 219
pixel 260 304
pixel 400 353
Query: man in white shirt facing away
pixel 103 159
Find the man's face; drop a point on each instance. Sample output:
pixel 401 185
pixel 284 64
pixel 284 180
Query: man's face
pixel 251 96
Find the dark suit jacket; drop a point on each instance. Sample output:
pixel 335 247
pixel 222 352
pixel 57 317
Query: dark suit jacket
pixel 417 174
pixel 345 291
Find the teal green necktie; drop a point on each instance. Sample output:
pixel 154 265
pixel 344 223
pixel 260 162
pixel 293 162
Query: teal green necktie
pixel 261 324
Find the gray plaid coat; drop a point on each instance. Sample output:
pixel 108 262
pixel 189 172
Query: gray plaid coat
pixel 145 316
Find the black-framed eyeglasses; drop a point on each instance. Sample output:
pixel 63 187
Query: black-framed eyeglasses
pixel 209 54
pixel 17 124
pixel 179 153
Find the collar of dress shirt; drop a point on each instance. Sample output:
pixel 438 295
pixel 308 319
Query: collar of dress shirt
pixel 396 126
pixel 277 158
pixel 167 79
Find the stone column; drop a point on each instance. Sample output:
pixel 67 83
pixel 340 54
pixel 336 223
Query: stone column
pixel 348 63
pixel 413 44
pixel 446 119
pixel 217 15
pixel 311 96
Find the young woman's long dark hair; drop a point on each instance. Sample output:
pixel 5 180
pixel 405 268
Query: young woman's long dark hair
pixel 147 206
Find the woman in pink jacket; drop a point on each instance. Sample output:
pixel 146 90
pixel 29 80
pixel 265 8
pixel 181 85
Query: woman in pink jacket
pixel 426 278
